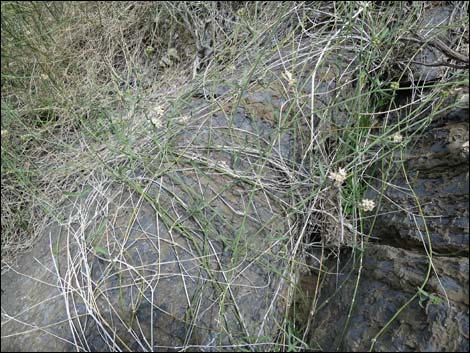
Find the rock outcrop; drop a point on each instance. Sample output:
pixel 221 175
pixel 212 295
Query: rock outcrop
pixel 176 257
pixel 396 263
pixel 377 301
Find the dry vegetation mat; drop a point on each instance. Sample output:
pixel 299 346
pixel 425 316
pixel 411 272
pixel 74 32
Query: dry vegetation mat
pixel 171 170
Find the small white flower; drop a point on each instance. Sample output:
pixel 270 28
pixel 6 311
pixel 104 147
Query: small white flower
pixel 397 137
pixel 466 147
pixel 394 85
pixel 157 122
pixel 44 77
pixel 338 177
pixel 5 134
pixel 367 205
pixel 184 118
pixel 159 110
pixel 288 77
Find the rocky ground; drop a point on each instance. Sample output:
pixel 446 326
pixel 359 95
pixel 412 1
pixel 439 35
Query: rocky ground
pixel 396 263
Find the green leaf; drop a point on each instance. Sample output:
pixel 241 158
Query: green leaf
pixel 85 191
pixel 101 250
pixel 94 238
pixel 425 296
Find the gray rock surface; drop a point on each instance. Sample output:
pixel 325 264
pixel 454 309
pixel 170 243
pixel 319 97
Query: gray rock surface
pixel 189 255
pixel 389 278
pixel 432 25
pixel 395 265
pixel 438 163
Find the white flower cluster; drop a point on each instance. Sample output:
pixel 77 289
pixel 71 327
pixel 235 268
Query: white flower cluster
pixel 159 110
pixel 397 137
pixel 157 118
pixel 466 146
pixel 288 77
pixel 157 122
pixel 338 177
pixel 367 205
pixel 184 119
